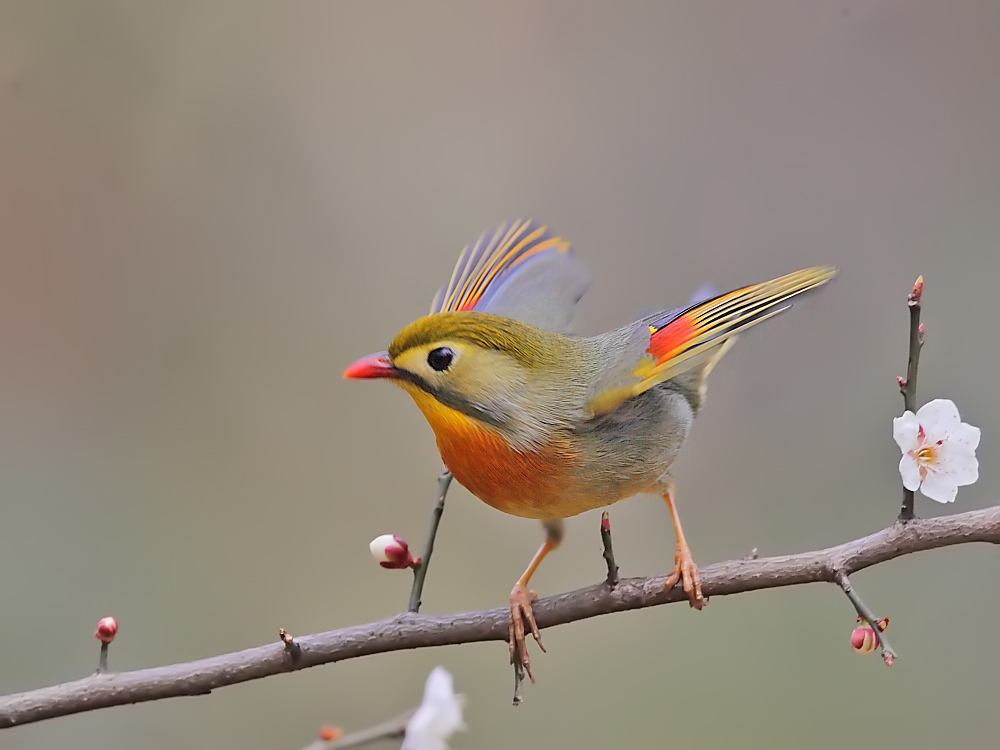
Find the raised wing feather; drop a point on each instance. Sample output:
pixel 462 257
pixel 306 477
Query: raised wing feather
pixel 698 335
pixel 519 270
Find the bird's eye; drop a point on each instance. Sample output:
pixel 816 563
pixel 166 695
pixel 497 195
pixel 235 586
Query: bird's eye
pixel 440 359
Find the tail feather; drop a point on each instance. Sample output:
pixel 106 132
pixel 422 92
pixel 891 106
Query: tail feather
pixel 696 338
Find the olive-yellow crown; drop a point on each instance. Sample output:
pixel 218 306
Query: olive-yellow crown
pixel 530 346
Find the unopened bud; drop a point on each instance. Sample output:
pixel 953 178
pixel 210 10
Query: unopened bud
pixel 107 627
pixel 864 640
pixel 391 551
pixel 605 522
pixel 921 330
pixel 329 733
pixel 901 382
pixel 913 298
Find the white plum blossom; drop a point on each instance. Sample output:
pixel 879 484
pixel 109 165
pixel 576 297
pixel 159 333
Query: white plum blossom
pixel 939 450
pixel 439 715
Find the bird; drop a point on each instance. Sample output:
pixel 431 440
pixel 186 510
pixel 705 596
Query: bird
pixel 543 424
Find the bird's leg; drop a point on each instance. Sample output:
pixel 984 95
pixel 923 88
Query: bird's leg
pixel 685 569
pixel 521 599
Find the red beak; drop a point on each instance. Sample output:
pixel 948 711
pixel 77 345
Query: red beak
pixel 376 365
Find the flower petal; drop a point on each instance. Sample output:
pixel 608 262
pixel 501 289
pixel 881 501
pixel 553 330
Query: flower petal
pixel 965 471
pixel 909 471
pixel 939 487
pixel 966 435
pixel 438 717
pixel 904 430
pixel 938 418
pixel 957 464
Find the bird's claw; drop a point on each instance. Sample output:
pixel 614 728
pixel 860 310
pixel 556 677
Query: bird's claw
pixel 521 612
pixel 686 572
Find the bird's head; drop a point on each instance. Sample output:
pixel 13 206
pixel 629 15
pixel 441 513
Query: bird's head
pixel 502 373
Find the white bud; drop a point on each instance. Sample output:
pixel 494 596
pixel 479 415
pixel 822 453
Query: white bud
pixel 391 551
pixel 380 544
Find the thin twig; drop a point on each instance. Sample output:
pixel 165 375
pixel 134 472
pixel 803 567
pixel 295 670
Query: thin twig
pixel 889 655
pixel 420 571
pixel 409 631
pixel 609 552
pixel 908 385
pixel 102 661
pixel 387 730
pixel 518 682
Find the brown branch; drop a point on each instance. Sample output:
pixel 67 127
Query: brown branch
pixel 408 631
pixel 908 385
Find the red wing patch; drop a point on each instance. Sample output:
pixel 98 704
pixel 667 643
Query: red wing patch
pixel 671 337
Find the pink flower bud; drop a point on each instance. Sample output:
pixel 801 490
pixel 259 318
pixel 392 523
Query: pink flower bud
pixel 391 551
pixel 864 640
pixel 901 382
pixel 917 292
pixel 605 522
pixel 107 627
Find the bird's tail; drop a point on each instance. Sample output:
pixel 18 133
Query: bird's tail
pixel 691 341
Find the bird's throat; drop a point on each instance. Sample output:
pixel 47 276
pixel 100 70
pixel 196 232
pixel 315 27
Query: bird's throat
pixel 531 484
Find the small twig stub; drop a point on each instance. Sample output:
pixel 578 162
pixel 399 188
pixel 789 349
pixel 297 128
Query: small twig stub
pixel 609 552
pixel 291 646
pixel 518 698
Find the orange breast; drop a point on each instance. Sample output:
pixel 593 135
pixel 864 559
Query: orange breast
pixel 530 485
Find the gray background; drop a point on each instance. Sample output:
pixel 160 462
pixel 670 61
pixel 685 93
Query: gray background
pixel 207 210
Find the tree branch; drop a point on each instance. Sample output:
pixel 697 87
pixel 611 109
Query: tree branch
pixel 408 631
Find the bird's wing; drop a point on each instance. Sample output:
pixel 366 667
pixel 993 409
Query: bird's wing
pixel 698 335
pixel 520 270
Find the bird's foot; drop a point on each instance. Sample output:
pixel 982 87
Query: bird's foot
pixel 522 620
pixel 686 572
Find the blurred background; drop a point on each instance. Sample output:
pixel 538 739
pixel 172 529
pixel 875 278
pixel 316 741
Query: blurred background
pixel 209 209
